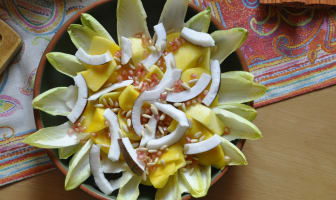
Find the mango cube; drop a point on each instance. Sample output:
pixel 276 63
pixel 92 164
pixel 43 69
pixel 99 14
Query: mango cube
pixel 103 140
pixel 188 55
pixel 172 36
pixel 97 122
pixel 204 60
pixel 128 97
pixel 159 177
pixel 105 98
pixel 100 45
pixel 207 117
pixel 154 69
pixel 188 74
pixel 213 157
pixel 96 76
pixel 138 51
pixel 173 159
pixel 88 114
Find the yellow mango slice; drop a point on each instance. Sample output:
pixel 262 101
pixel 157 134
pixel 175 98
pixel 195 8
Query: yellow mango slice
pixel 88 114
pixel 103 140
pixel 104 99
pixel 197 71
pixel 97 122
pixel 204 60
pixel 173 159
pixel 173 154
pixel 138 51
pixel 159 177
pixel 96 76
pixel 207 117
pixel 215 102
pixel 130 133
pixel 172 126
pixel 188 55
pixel 128 97
pixel 197 127
pixel 154 69
pixel 214 157
pixel 100 45
pixel 113 77
pixel 172 36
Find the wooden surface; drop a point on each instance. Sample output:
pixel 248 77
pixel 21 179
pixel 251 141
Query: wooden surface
pixel 10 43
pixel 296 159
pixel 301 2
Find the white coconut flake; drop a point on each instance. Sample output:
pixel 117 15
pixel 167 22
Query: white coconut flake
pixel 203 146
pixel 97 171
pixel 161 37
pixel 81 98
pixel 177 134
pixel 114 86
pixel 93 59
pixel 197 38
pixel 140 166
pixel 112 166
pixel 149 134
pixel 151 59
pixel 114 151
pixel 126 50
pixel 194 91
pixel 169 78
pixel 215 83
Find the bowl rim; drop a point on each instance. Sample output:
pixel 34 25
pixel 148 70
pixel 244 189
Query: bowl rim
pixel 42 65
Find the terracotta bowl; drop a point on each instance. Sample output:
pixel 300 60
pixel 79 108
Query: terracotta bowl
pixel 47 77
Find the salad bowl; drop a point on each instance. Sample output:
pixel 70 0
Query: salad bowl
pixel 47 77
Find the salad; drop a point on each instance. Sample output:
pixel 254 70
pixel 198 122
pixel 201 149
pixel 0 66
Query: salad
pixel 156 110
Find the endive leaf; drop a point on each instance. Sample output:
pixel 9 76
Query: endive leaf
pixel 66 152
pixel 130 191
pixel 131 19
pixel 242 74
pixel 173 14
pixel 193 181
pixel 242 110
pixel 235 89
pixel 53 137
pixel 206 177
pixel 65 63
pixel 236 156
pixel 57 101
pixel 182 186
pixel 201 21
pixel 240 128
pixel 81 36
pixel 227 41
pixel 170 191
pixel 79 167
pixel 89 21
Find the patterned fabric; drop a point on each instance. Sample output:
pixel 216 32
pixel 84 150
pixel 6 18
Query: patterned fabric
pixel 291 51
pixel 36 21
pixel 288 50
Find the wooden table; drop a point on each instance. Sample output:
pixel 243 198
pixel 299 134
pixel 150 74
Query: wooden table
pixel 295 160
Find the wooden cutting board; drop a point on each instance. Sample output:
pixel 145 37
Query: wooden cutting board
pixel 10 44
pixel 300 2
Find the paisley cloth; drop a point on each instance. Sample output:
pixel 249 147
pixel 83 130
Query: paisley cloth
pixel 288 50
